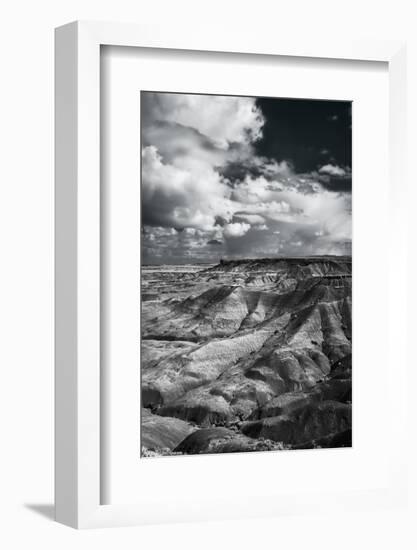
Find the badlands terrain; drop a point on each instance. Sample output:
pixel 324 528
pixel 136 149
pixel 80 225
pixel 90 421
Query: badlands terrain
pixel 246 355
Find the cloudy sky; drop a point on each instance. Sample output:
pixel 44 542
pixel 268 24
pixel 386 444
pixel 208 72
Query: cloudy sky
pixel 241 177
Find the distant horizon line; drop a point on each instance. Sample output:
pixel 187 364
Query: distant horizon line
pixel 252 259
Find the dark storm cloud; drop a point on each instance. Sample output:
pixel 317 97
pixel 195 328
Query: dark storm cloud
pixel 215 242
pixel 239 170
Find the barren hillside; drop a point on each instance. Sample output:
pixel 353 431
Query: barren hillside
pixel 246 355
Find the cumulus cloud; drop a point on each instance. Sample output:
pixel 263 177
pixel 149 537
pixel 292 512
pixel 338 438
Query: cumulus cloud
pixel 332 170
pixel 205 191
pixel 235 229
pixel 223 119
pixel 186 139
pixel 190 194
pixel 252 219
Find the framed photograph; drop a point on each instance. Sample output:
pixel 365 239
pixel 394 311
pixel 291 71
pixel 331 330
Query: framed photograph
pixel 229 244
pixel 246 271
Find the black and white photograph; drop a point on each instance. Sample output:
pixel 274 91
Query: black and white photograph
pixel 208 285
pixel 246 274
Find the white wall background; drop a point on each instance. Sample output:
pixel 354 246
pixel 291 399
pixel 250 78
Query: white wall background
pixel 26 272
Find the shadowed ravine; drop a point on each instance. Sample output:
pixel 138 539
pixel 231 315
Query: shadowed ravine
pixel 246 355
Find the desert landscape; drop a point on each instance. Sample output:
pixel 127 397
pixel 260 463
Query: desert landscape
pixel 246 274
pixel 246 355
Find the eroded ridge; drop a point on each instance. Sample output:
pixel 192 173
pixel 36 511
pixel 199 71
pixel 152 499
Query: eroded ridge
pixel 246 355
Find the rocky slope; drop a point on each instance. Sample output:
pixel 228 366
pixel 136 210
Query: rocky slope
pixel 259 348
pixel 163 433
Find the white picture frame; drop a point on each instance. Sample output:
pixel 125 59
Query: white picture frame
pixel 77 242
